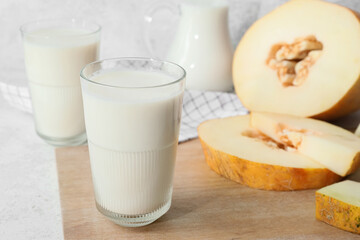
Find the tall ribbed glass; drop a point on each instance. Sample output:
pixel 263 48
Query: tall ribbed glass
pixel 132 110
pixel 55 51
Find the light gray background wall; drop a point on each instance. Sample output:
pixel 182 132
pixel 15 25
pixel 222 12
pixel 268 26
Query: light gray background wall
pixel 122 22
pixel 29 198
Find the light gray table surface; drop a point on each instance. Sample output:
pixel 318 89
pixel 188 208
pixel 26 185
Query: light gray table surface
pixel 29 197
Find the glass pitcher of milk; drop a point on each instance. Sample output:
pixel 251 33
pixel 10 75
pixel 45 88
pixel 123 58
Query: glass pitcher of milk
pixel 202 43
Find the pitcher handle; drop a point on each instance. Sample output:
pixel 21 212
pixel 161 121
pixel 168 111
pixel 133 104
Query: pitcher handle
pixel 148 19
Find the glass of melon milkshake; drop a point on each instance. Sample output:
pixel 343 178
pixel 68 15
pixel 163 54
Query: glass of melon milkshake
pixel 55 51
pixel 132 112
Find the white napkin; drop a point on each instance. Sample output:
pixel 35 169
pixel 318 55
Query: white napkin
pixel 199 106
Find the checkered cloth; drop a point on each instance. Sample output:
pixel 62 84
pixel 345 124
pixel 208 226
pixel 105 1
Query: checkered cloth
pixel 199 106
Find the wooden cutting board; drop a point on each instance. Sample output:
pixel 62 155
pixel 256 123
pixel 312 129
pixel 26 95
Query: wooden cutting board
pixel 204 205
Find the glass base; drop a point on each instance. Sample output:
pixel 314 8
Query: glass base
pixel 64 142
pixel 135 220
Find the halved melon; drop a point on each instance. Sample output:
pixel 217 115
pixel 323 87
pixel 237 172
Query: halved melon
pixel 335 148
pixel 236 151
pixel 301 59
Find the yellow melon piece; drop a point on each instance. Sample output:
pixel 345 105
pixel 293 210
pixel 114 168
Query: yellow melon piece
pixel 301 59
pixel 339 205
pixel 236 151
pixel 357 131
pixel 335 148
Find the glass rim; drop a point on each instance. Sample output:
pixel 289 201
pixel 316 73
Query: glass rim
pixel 24 31
pixel 176 80
pixel 207 4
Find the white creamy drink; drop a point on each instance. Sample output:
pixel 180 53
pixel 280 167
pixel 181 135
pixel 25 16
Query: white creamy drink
pixel 54 57
pixel 132 135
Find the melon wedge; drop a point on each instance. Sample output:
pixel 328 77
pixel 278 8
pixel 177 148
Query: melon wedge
pixel 339 205
pixel 335 148
pixel 301 59
pixel 236 151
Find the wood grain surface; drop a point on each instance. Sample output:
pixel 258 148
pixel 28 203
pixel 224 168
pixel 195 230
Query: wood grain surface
pixel 204 205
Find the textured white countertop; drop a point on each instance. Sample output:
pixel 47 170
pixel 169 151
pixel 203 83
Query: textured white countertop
pixel 29 198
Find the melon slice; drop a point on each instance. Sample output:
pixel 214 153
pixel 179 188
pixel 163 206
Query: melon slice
pixel 236 151
pixel 339 205
pixel 301 59
pixel 357 131
pixel 335 148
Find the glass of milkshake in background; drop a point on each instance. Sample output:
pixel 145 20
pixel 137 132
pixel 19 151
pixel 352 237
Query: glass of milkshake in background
pixel 55 52
pixel 132 112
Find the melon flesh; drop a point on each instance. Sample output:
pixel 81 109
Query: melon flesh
pixel 325 39
pixel 339 205
pixel 235 150
pixel 357 131
pixel 335 148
